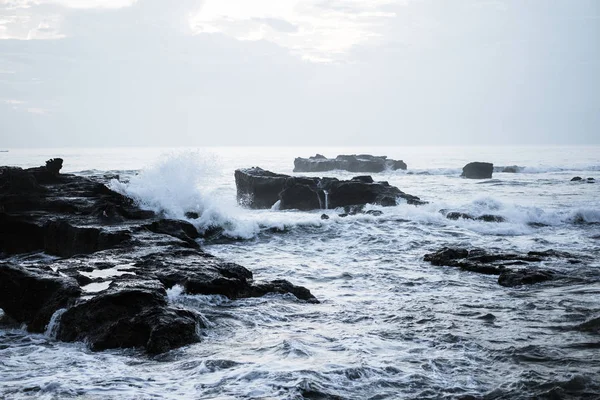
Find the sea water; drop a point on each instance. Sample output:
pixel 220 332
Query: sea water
pixel 389 324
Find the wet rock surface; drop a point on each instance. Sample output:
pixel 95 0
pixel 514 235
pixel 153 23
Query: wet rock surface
pixel 513 269
pixel 352 163
pixel 108 288
pixel 478 170
pixel 257 188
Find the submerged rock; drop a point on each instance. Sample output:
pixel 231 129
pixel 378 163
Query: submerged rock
pixel 257 188
pixel 478 170
pixel 123 257
pixel 352 163
pixel 455 215
pixel 512 269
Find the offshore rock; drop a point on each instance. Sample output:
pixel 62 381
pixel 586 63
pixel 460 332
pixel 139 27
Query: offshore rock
pixel 512 269
pixel 455 215
pixel 109 287
pixel 352 163
pixel 478 170
pixel 257 188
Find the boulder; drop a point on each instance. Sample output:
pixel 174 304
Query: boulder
pixel 576 179
pixel 352 163
pixel 308 193
pixel 478 170
pixel 131 316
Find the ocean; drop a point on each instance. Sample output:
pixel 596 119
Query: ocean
pixel 389 325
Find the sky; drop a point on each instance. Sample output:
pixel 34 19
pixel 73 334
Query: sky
pixel 88 73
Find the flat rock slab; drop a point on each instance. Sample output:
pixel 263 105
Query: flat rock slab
pixel 513 269
pixel 351 163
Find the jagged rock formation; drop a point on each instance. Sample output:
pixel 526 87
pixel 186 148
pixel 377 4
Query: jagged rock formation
pixel 117 261
pixel 257 188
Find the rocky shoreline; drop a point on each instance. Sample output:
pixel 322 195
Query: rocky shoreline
pixel 111 266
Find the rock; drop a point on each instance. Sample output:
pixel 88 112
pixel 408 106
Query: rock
pixel 478 170
pixel 576 179
pixel 180 229
pixel 54 165
pixel 512 169
pixel 324 216
pixel 491 218
pixel 257 188
pixel 352 163
pixel 512 269
pixel 455 215
pixel 32 295
pixel 282 286
pixel 512 278
pixel 192 215
pixel 65 240
pixel 106 240
pixel 375 213
pixel 137 316
pixel 590 180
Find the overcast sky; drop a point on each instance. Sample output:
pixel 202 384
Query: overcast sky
pixel 287 72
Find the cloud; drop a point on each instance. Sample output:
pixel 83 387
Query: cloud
pixel 314 30
pixel 189 72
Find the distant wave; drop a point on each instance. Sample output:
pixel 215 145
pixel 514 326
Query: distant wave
pixel 498 169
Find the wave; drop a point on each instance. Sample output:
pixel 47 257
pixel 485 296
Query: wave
pixel 542 169
pixel 194 182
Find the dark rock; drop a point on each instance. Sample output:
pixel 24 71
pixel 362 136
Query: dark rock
pixel 502 264
pixel 180 229
pixel 454 215
pixel 137 316
pixel 282 286
pixel 65 240
pixel 31 296
pixel 512 169
pixel 375 213
pixel 591 325
pixel 591 180
pixel 257 188
pixel 301 194
pixel 54 165
pixel 478 170
pixel 363 179
pixel 313 193
pixel 576 179
pixel 192 215
pixel 511 278
pixel 491 218
pixel 324 216
pixel 352 163
pixel 106 238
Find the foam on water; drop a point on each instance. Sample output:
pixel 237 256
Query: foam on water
pixel 390 325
